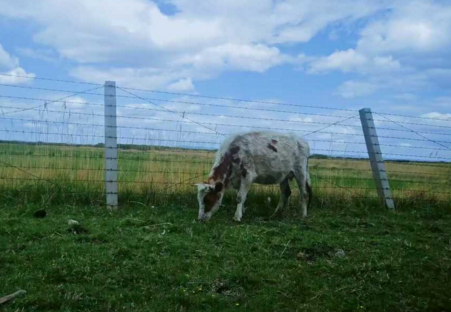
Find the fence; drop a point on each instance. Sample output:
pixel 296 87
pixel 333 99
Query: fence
pixel 53 134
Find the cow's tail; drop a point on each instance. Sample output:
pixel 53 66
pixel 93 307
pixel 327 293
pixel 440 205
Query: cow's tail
pixel 308 186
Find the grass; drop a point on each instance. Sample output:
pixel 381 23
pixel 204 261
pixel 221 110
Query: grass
pixel 350 254
pixel 164 176
pixel 160 259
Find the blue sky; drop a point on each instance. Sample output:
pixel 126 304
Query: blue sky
pixel 391 56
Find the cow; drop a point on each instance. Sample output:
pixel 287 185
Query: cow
pixel 256 157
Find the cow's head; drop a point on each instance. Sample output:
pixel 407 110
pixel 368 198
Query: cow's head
pixel 209 197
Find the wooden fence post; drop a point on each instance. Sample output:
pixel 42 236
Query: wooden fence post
pixel 376 160
pixel 110 146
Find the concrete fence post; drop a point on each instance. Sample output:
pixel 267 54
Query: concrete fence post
pixel 376 160
pixel 110 146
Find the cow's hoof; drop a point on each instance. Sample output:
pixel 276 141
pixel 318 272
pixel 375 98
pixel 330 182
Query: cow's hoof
pixel 237 219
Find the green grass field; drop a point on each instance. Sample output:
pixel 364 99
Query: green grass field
pixel 350 254
pixel 161 259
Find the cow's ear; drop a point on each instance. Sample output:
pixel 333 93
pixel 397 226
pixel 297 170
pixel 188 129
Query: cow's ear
pixel 219 186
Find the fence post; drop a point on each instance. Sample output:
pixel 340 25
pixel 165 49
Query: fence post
pixel 110 146
pixel 376 160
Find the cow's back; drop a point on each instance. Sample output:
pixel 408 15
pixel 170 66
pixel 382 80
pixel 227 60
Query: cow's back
pixel 270 156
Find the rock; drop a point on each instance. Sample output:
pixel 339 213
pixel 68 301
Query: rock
pixel 340 253
pixel 77 229
pixel 301 256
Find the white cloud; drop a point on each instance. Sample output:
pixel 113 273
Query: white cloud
pixel 352 89
pixel 9 67
pixel 178 76
pixel 15 76
pixel 346 61
pixel 299 21
pixel 274 22
pixel 201 39
pixel 257 58
pixel 301 119
pixel 403 50
pixel 413 26
pixel 152 78
pixel 180 107
pixel 204 37
pixel 75 102
pixel 6 60
pixel 173 33
pixel 405 80
pixel 39 54
pixel 353 61
pixel 183 85
pixel 437 115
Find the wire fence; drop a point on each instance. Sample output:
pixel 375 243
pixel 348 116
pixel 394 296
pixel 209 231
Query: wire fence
pixel 52 139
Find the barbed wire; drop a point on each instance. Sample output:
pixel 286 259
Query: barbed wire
pixel 187 102
pixel 171 182
pixel 443 165
pixel 141 171
pixel 52 101
pixel 331 125
pixel 144 192
pixel 173 157
pixel 50 79
pixel 134 96
pixel 240 117
pixel 415 132
pixel 119 158
pixel 192 95
pixel 215 97
pixel 369 171
pixel 210 143
pixel 171 111
pixel 205 133
pixel 24 171
pixel 152 109
pixel 159 159
pixel 182 115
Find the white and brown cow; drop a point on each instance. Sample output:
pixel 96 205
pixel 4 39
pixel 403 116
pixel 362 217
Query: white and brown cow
pixel 256 157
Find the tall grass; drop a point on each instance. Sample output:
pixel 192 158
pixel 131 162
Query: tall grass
pixel 51 174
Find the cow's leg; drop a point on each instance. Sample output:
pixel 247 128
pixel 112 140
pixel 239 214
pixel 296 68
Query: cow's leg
pixel 300 175
pixel 285 193
pixel 241 198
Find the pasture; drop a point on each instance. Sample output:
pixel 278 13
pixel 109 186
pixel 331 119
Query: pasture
pixel 350 254
pixel 161 259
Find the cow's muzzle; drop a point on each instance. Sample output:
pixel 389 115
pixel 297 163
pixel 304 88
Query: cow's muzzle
pixel 204 218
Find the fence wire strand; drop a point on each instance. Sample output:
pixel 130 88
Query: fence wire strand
pixel 167 141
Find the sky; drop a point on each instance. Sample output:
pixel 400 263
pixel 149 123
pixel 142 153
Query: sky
pixel 391 56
